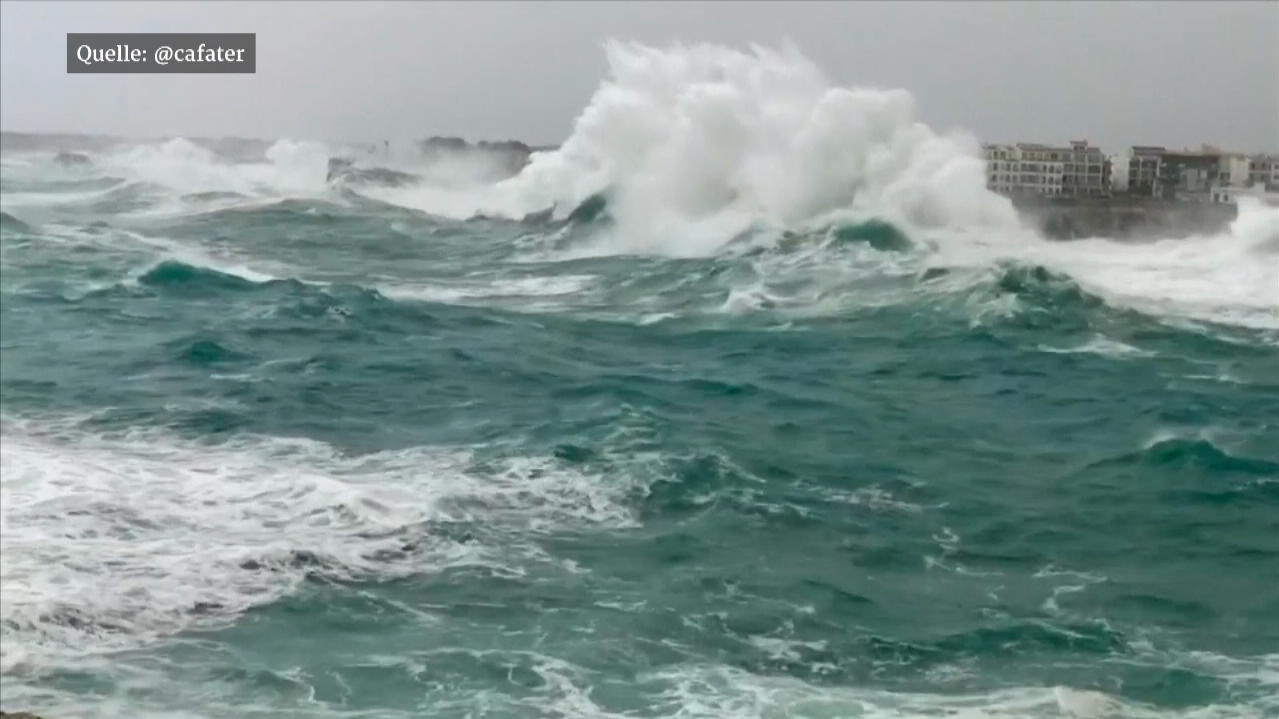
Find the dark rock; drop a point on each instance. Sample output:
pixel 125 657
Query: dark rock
pixel 72 159
pixel 510 156
pixel 505 158
pixel 539 218
pixel 206 607
pixel 344 169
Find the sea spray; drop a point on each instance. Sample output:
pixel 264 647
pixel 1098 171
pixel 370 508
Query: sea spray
pixel 694 145
pixel 750 434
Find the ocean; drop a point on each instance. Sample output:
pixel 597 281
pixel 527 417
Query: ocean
pixel 790 419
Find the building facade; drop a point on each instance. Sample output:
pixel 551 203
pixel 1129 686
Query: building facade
pixel 1080 170
pixel 1188 176
pixel 1028 169
pixel 1087 171
pixel 1143 170
pixel 1263 170
pixel 1233 170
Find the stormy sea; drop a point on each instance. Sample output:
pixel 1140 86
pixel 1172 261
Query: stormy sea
pixel 747 400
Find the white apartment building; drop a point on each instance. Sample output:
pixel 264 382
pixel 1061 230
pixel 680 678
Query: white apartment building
pixel 1144 166
pixel 1233 170
pixel 1264 170
pixel 1243 176
pixel 1028 168
pixel 1024 169
pixel 1086 171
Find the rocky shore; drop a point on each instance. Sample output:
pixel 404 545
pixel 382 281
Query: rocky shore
pixel 512 155
pixel 1119 218
pixel 1125 218
pixel 496 160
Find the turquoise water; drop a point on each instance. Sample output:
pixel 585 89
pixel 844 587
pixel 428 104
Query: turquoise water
pixel 317 455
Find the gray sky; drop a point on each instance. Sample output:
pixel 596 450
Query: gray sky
pixel 1175 73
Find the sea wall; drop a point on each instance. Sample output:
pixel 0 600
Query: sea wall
pixel 1125 218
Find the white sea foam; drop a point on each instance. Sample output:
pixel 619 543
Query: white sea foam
pixel 683 691
pixel 289 168
pixel 1231 277
pixel 114 540
pixel 1100 345
pixel 481 290
pixel 697 145
pixel 715 692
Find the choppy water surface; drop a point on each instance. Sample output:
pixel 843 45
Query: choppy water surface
pixel 275 447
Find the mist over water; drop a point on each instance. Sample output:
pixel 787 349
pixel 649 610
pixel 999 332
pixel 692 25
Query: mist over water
pixel 776 412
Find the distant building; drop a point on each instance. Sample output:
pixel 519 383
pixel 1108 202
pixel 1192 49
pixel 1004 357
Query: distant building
pixel 1080 170
pixel 1264 170
pixel 1233 170
pixel 1087 172
pixel 1020 170
pixel 1243 176
pixel 1188 175
pixel 1028 168
pixel 1208 174
pixel 1143 170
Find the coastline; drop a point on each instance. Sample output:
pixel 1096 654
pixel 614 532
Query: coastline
pixel 1124 217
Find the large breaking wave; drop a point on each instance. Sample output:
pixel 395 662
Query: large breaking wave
pixel 705 151
pixel 699 182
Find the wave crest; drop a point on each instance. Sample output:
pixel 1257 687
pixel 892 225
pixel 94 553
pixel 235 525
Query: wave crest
pixel 696 145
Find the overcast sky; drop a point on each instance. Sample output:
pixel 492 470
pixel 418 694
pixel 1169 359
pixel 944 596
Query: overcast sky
pixel 1175 73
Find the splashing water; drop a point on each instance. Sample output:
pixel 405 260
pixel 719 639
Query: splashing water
pixel 778 413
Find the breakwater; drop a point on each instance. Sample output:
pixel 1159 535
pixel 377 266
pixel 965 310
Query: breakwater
pixel 1125 217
